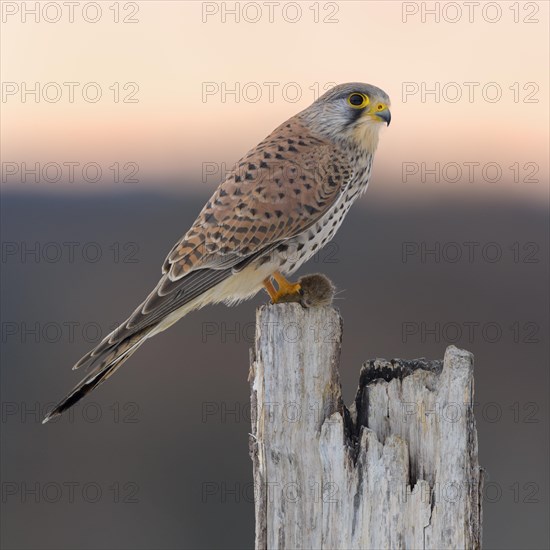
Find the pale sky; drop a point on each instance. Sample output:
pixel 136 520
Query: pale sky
pixel 488 73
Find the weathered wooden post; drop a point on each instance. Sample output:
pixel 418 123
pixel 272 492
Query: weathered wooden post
pixel 398 469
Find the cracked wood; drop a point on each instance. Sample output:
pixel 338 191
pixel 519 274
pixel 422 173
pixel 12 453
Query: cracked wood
pixel 398 469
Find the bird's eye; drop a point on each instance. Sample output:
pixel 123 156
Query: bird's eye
pixel 357 100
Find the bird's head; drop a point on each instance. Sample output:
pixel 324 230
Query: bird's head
pixel 351 113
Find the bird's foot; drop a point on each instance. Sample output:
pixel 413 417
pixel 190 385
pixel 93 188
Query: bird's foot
pixel 313 290
pixel 286 292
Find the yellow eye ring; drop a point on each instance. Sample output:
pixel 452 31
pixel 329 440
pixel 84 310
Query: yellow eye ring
pixel 358 100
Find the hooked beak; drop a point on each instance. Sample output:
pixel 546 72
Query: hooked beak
pixel 384 115
pixel 379 111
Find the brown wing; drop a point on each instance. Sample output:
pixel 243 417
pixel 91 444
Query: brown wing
pixel 277 191
pixel 274 193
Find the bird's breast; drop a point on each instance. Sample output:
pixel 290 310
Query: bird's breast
pixel 294 252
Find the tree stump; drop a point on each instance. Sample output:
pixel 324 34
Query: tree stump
pixel 397 469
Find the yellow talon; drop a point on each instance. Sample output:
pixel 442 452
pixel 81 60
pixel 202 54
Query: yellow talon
pixel 286 288
pixel 271 290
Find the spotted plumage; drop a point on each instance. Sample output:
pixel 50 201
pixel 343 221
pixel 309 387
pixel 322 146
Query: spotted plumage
pixel 281 203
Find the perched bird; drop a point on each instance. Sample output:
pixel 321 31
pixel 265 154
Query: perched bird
pixel 279 205
pixel 316 289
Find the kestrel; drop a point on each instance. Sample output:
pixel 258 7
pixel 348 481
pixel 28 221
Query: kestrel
pixel 282 202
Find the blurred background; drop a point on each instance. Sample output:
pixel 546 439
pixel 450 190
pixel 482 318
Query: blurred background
pixel 119 119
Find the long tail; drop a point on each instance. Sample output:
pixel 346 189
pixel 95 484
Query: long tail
pixel 107 359
pixel 168 302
